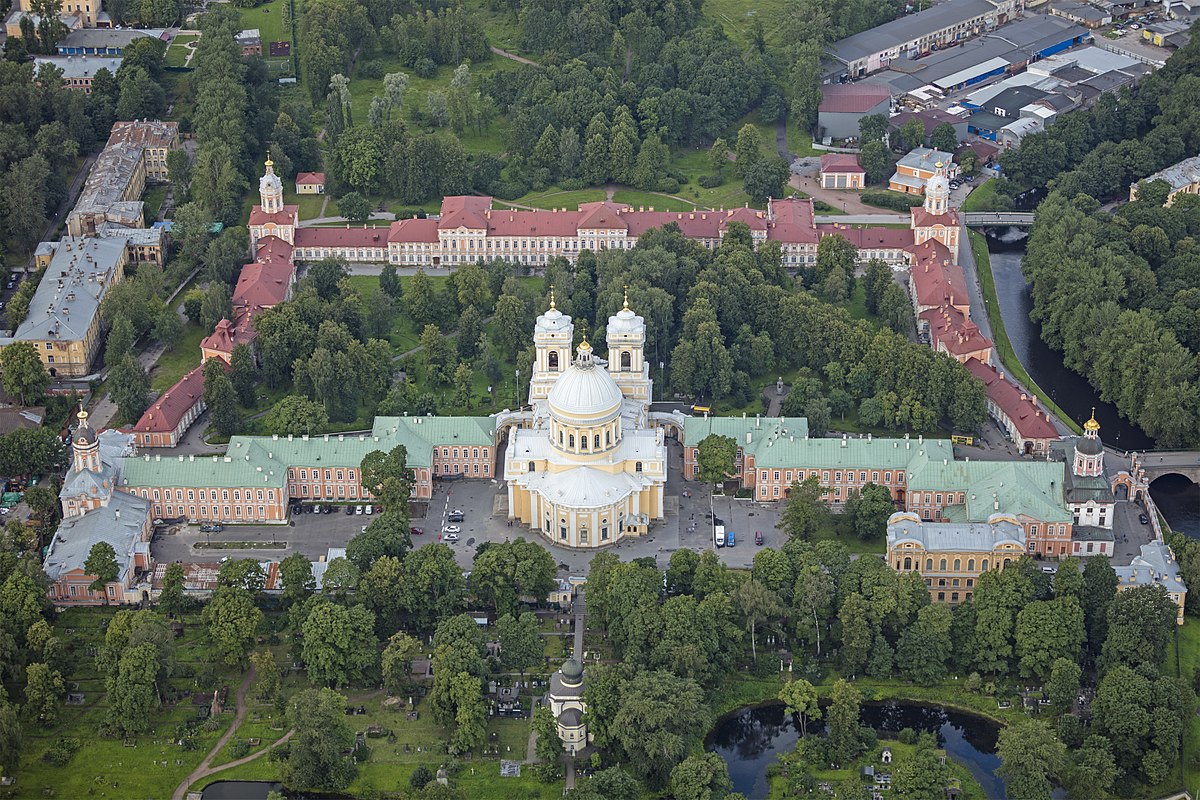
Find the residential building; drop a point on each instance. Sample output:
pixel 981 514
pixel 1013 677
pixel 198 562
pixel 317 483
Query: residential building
pixel 168 418
pixel 103 42
pixel 1085 14
pixel 136 153
pixel 842 171
pixel 1018 414
pixel 1155 566
pixel 952 556
pixel 953 333
pixel 586 466
pixel 310 183
pixel 63 321
pixel 250 41
pixel 74 15
pixel 94 512
pixel 915 169
pixel 844 104
pixel 1183 178
pixel 78 71
pixel 914 34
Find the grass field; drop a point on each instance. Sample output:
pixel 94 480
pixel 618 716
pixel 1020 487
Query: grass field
pixel 982 197
pixel 177 53
pixel 178 360
pixel 1185 666
pixel 270 19
pixel 660 202
pixel 737 18
pixel 310 204
pixel 1004 348
pixel 555 198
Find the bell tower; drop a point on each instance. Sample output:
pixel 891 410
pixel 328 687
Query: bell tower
pixel 552 338
pixel 937 191
pixel 1089 451
pixel 626 339
pixel 85 446
pixel 270 190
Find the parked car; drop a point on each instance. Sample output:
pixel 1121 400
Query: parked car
pixel 452 529
pixel 1142 518
pixel 326 509
pixel 358 509
pixel 368 510
pixel 349 511
pixel 211 527
pixel 450 537
pixel 758 537
pixel 416 531
pixel 730 539
pixel 455 518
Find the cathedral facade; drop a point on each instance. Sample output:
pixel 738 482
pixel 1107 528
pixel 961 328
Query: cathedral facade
pixel 585 465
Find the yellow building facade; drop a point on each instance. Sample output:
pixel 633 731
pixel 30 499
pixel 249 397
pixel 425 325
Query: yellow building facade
pixel 951 556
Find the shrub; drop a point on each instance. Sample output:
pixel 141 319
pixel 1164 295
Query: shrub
pixel 906 736
pixel 973 682
pixel 892 200
pixel 425 68
pixel 238 748
pixel 710 181
pixel 62 751
pixel 371 69
pixel 668 185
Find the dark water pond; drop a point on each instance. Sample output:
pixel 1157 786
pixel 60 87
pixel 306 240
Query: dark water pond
pixel 239 790
pixel 750 739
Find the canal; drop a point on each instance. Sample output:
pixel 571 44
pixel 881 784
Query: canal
pixel 1177 497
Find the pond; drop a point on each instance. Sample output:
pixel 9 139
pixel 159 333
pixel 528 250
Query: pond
pixel 751 739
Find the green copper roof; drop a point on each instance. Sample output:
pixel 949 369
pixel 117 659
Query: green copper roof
pixel 247 467
pixel 263 460
pixel 1030 488
pixel 781 442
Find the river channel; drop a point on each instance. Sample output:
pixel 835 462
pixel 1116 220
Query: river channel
pixel 751 739
pixel 1177 497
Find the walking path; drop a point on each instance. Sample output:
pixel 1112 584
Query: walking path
pixel 204 769
pixel 513 56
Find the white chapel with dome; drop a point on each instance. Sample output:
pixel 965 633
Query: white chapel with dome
pixel 585 465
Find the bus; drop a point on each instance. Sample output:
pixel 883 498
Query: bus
pixel 968 440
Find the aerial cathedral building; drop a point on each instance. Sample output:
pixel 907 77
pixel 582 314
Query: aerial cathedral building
pixel 586 465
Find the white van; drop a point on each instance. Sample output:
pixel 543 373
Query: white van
pixel 719 536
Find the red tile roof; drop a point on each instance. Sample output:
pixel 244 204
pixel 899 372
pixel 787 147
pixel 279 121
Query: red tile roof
pixel 1030 420
pixel 852 98
pixel 936 279
pixel 342 237
pixel 864 238
pixel 271 249
pixel 414 230
pixel 263 284
pixel 165 413
pixel 923 219
pixel 306 178
pixel 288 216
pixel 955 332
pixel 840 162
pixel 793 221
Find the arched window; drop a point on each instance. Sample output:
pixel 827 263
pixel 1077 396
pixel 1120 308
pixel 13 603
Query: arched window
pixel 608 438
pixel 583 440
pixel 531 466
pixel 985 565
pixel 957 564
pixel 553 360
pixel 929 565
pixel 560 438
pixel 970 565
pixel 626 361
pixel 942 566
pixel 571 440
pixel 907 562
pixel 597 441
pixel 1006 561
pixel 637 467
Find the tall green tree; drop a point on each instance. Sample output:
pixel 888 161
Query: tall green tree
pixel 521 643
pixel 804 513
pixel 220 397
pixel 716 456
pixel 1030 757
pixel 800 698
pixel 322 734
pixel 23 374
pixel 101 564
pixel 232 622
pixel 339 644
pixel 842 722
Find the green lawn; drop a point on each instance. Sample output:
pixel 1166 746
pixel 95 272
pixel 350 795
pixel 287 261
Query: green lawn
pixel 1185 666
pixel 555 198
pixel 178 360
pixel 269 18
pixel 1004 349
pixel 153 200
pixel 660 202
pixel 310 204
pixel 737 18
pixel 177 54
pixel 982 197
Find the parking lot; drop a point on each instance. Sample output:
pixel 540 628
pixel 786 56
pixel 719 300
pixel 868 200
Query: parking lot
pixel 313 534
pixel 7 289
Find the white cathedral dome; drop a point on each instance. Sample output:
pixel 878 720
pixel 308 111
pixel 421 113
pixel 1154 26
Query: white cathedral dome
pixel 624 321
pixel 938 185
pixel 585 391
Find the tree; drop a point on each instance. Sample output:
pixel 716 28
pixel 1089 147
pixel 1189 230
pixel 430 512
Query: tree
pixel 398 655
pixel 504 572
pixel 1030 755
pixel 1046 631
pixel 608 784
pixel 232 622
pixel 766 178
pixel 870 511
pixel 168 328
pixel 681 570
pixel 43 689
pixel 339 644
pixel 389 281
pixel 800 698
pixel 718 156
pixel 804 513
pixel 128 386
pixel 297 575
pixel 921 776
pixel 875 161
pixel 420 777
pixel 756 603
pixel 243 374
pixel 220 397
pixel 386 535
pixel 1063 685
pixel 172 599
pixel 657 717
pixel 1093 770
pixel 101 564
pixel 701 777
pixel 267 680
pixel 872 128
pixel 911 134
pixel 844 742
pixel 748 150
pixel 1099 589
pixel 216 305
pixel 548 747
pixel 1141 622
pixel 355 207
pixel 10 728
pixel 717 458
pixel 387 477
pixel 296 416
pixel 944 138
pixel 24 376
pixel 521 643
pixel 34 451
pixel 326 276
pixel 925 646
pixel 132 694
pixel 321 735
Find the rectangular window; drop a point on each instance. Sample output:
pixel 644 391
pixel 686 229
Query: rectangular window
pixel 339 474
pixel 776 476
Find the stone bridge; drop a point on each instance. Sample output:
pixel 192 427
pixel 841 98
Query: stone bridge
pixel 992 219
pixel 1158 463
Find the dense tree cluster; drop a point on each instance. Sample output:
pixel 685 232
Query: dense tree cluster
pixel 1119 296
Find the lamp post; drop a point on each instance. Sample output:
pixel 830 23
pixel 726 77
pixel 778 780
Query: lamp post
pixel 516 386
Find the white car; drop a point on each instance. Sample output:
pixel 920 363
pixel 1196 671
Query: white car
pixel 368 510
pixel 450 537
pixel 452 529
pixel 358 509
